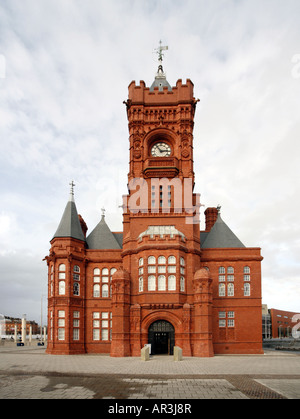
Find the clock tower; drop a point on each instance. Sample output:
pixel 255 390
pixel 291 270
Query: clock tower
pixel 161 233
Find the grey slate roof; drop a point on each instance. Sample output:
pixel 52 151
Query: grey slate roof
pixel 119 238
pixel 160 81
pixel 102 238
pixel 220 237
pixel 69 225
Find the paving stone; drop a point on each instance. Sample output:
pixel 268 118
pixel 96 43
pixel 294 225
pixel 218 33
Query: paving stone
pixel 30 373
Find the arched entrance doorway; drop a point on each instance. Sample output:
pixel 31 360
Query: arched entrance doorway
pixel 161 335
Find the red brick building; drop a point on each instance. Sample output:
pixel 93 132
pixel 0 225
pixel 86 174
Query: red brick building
pixel 161 280
pixel 283 323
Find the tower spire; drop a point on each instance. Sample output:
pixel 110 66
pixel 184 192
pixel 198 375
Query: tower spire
pixel 70 225
pixel 72 184
pixel 159 51
pixel 160 78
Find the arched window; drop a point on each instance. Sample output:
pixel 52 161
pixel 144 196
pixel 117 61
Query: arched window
pixel 141 284
pixel 141 261
pixel 171 260
pixel 161 285
pixel 247 289
pixel 161 260
pixel 62 267
pixel 151 283
pixel 182 262
pixel 182 284
pixel 76 268
pixel 96 271
pixel 96 290
pixel 105 290
pixel 221 290
pixel 230 270
pixel 230 290
pixel 151 260
pixel 172 283
pixel 221 270
pixel 75 288
pixel 104 271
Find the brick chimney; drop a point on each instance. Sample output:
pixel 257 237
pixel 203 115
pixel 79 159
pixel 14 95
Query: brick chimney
pixel 211 215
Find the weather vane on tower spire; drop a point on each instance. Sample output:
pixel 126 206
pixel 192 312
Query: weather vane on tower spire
pixel 72 184
pixel 159 51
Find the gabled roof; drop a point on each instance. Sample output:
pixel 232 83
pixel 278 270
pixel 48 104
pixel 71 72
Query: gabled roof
pixel 70 225
pixel 102 238
pixel 220 237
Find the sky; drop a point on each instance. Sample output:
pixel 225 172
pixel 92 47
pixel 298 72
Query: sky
pixel 65 67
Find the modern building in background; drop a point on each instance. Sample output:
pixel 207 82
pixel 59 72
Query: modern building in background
pixel 266 323
pixel 283 323
pixel 160 281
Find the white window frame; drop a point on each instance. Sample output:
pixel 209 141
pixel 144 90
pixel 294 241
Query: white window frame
pixel 171 283
pixel 222 290
pixel 151 283
pixel 247 289
pixel 161 283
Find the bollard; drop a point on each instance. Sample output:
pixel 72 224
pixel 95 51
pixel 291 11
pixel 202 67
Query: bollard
pixel 145 353
pixel 177 353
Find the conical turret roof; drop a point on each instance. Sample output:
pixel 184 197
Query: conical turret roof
pixel 70 225
pixel 220 236
pixel 102 238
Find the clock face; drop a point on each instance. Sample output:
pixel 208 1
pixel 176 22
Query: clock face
pixel 161 150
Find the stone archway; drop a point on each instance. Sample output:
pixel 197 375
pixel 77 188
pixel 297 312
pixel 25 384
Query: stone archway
pixel 161 336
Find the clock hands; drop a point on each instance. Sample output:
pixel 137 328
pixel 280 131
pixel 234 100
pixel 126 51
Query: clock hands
pixel 160 150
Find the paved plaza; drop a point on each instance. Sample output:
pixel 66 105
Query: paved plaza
pixel 29 373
